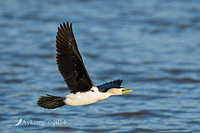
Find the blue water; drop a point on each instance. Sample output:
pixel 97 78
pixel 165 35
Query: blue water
pixel 154 46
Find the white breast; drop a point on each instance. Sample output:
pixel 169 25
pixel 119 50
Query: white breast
pixel 85 98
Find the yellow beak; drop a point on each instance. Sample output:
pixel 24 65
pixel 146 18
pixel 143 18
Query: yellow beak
pixel 123 92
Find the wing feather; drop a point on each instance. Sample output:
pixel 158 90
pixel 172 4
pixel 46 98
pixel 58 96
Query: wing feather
pixel 69 60
pixel 114 84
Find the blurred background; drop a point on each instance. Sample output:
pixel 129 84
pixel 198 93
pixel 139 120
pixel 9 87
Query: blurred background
pixel 152 45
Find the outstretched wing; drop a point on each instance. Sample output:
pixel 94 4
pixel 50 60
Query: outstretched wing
pixel 69 60
pixel 114 84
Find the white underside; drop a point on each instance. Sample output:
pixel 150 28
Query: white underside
pixel 85 98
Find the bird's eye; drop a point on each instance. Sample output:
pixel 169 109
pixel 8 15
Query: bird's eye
pixel 123 90
pixel 92 90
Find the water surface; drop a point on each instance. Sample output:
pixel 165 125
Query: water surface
pixel 152 45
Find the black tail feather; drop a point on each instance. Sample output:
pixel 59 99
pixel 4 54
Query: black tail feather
pixel 51 102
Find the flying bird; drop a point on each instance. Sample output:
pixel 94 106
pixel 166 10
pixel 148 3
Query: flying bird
pixel 71 66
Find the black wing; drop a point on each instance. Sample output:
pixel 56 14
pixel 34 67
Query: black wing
pixel 114 84
pixel 69 60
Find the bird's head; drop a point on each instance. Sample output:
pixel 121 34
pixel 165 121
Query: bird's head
pixel 118 91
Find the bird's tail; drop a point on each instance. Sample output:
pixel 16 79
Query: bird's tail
pixel 51 102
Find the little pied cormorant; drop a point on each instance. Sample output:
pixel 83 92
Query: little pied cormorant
pixel 71 67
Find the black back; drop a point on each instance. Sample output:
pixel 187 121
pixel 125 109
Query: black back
pixel 69 60
pixel 114 84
